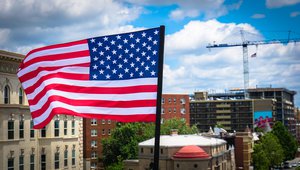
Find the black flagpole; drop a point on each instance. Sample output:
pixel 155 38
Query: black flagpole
pixel 159 94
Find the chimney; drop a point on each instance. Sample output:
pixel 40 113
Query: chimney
pixel 174 132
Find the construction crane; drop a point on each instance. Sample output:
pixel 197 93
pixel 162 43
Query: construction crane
pixel 245 45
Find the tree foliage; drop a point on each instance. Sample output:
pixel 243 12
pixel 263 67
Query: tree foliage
pixel 268 152
pixel 287 141
pixel 260 160
pixel 123 143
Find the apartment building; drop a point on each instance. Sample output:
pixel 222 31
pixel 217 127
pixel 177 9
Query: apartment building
pixel 95 130
pixel 285 108
pixel 175 105
pixel 56 146
pixel 232 115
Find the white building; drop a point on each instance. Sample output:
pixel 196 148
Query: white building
pixel 185 152
pixel 57 146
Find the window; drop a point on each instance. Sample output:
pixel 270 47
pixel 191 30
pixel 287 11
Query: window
pixel 31 129
pixel 32 162
pixel 10 164
pixel 93 121
pixel 56 160
pixel 174 100
pixel 161 151
pixel 10 129
pixel 142 150
pixel 182 110
pixel 162 111
pixel 174 110
pixel 170 110
pixel 151 150
pixel 21 129
pixel 93 132
pixel 43 162
pixel 21 162
pixel 73 127
pixel 109 121
pixel 169 100
pixel 103 121
pixel 20 96
pixel 73 156
pixel 182 101
pixel 163 100
pixel 93 165
pixel 93 143
pixel 43 132
pixel 6 95
pixel 65 127
pixel 108 131
pixel 56 128
pixel 103 131
pixel 94 155
pixel 66 158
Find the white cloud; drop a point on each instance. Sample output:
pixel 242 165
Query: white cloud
pixel 197 34
pixel 258 16
pixel 222 68
pixel 280 3
pixel 33 22
pixel 4 34
pixel 191 8
pixel 295 14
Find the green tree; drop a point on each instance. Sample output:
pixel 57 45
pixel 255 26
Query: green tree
pixel 268 152
pixel 287 141
pixel 123 143
pixel 178 124
pixel 260 160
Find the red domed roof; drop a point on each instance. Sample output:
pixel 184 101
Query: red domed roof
pixel 191 151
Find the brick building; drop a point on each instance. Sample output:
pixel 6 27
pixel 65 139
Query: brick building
pixel 94 131
pixel 175 105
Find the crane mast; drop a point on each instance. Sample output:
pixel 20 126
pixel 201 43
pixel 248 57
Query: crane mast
pixel 245 45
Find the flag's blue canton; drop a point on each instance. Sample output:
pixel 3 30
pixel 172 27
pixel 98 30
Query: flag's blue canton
pixel 124 56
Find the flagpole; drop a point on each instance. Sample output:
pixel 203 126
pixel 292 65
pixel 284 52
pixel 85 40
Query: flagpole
pixel 159 96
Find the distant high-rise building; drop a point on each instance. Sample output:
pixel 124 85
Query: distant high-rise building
pixel 232 114
pixel 57 146
pixel 284 104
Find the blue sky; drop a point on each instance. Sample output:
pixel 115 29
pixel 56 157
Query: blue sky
pixel 190 26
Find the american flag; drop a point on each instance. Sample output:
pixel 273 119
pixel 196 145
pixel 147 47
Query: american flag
pixel 109 77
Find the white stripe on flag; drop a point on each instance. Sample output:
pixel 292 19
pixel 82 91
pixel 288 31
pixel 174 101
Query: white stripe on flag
pixel 84 96
pixel 75 70
pixel 65 62
pixel 60 50
pixel 96 83
pixel 95 110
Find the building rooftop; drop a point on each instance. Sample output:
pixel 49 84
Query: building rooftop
pixel 184 140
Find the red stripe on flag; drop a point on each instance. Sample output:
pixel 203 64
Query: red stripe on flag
pixel 57 57
pixel 57 46
pixel 93 103
pixel 70 76
pixel 120 118
pixel 93 90
pixel 34 73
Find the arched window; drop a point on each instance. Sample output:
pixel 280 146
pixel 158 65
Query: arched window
pixel 20 96
pixel 6 94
